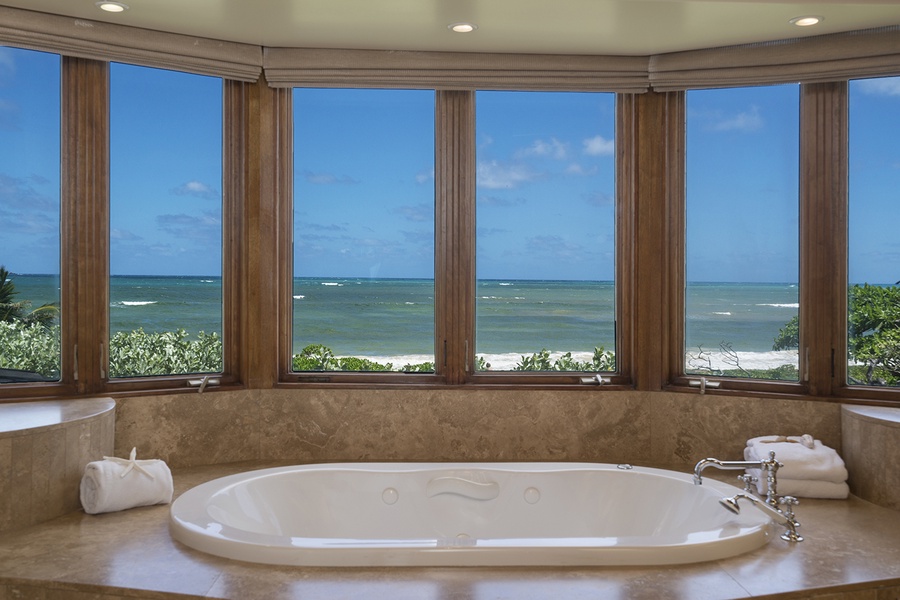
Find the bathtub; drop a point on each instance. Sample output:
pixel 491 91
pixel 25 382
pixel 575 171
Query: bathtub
pixel 464 514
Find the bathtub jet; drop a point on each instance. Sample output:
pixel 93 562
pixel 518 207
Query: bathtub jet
pixel 465 514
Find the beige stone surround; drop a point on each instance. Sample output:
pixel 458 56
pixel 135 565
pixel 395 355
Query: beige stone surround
pixel 852 550
pixel 660 429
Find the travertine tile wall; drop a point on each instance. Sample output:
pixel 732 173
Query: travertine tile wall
pixel 872 453
pixel 307 425
pixel 41 468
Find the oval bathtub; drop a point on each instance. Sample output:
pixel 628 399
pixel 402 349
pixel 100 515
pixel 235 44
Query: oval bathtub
pixel 464 514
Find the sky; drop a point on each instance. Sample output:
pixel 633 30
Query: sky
pixel 364 179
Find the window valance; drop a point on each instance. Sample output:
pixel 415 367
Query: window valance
pixel 308 67
pixel 109 42
pixel 833 57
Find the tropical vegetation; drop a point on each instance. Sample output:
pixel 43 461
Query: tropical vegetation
pixel 873 329
pixel 30 340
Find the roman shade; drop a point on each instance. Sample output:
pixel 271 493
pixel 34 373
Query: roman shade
pixel 308 67
pixel 108 42
pixel 814 59
pixel 817 59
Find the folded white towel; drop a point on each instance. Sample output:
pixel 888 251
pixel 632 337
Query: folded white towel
pixel 819 463
pixel 802 488
pixel 115 484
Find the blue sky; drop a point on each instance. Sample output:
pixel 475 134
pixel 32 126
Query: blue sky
pixel 165 172
pixel 364 179
pixel 742 184
pixel 364 184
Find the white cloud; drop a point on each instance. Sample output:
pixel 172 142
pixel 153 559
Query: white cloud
pixel 418 213
pixel 328 179
pixel 123 235
pixel 744 121
pixel 21 195
pixel 7 62
pixel 599 146
pixel 499 201
pixel 205 228
pixel 486 141
pixel 553 149
pixel 425 176
pixel 887 86
pixel 495 176
pixel 577 169
pixel 197 190
pixel 9 116
pixel 599 199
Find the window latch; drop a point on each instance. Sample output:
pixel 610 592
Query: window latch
pixel 703 383
pixel 204 382
pixel 596 379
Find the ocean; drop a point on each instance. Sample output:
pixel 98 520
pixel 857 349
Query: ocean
pixel 391 320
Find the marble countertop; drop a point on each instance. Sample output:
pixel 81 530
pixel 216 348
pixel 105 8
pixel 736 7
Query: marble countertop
pixel 850 545
pixel 21 418
pixel 883 415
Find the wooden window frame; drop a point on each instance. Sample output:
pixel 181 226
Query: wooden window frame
pixel 455 183
pixel 257 237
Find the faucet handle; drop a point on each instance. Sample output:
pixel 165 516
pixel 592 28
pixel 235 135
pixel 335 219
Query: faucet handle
pixel 748 480
pixel 791 523
pixel 789 502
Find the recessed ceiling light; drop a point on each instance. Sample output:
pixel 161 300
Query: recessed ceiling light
pixel 462 27
pixel 806 21
pixel 112 6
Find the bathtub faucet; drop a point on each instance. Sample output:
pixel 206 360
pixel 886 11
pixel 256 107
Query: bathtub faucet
pixel 784 517
pixel 769 465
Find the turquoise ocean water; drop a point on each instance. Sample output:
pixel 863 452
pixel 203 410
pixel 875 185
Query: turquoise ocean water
pixel 394 317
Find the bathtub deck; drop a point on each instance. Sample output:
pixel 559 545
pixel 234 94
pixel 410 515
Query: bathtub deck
pixel 852 552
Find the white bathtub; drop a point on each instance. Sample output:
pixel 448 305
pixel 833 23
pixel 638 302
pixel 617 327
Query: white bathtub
pixel 464 514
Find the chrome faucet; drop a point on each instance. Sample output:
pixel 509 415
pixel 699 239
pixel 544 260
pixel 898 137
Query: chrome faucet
pixel 770 504
pixel 784 517
pixel 769 465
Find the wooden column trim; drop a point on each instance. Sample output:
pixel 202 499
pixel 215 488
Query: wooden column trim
pixel 85 222
pixel 454 278
pixel 259 200
pixel 824 126
pixel 651 232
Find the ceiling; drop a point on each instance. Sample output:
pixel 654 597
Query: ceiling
pixel 622 27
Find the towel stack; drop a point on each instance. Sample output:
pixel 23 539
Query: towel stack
pixel 115 484
pixel 811 469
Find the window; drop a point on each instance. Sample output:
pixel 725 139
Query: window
pixel 545 213
pixel 30 216
pixel 874 252
pixel 742 236
pixel 165 288
pixel 363 287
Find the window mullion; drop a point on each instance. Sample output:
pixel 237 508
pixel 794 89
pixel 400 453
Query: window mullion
pixel 85 201
pixel 823 206
pixel 454 234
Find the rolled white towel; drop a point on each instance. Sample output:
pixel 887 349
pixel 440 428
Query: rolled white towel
pixel 114 484
pixel 802 488
pixel 819 462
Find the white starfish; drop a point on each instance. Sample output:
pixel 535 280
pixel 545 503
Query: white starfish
pixel 131 464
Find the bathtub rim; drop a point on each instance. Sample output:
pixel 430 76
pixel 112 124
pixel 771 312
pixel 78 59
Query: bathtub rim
pixel 251 547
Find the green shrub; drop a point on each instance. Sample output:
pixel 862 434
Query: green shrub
pixel 873 331
pixel 138 353
pixel 32 347
pixel 540 361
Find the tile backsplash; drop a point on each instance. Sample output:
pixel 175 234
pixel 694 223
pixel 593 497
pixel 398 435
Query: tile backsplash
pixel 663 429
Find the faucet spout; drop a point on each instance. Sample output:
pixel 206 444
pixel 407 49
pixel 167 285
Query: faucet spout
pixel 784 518
pixel 723 464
